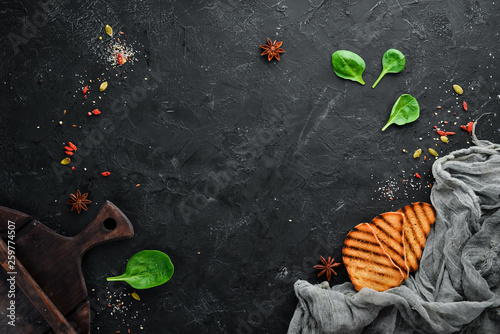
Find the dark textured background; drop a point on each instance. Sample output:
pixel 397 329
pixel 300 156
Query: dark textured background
pixel 248 169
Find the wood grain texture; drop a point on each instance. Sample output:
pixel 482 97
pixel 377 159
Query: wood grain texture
pixel 35 294
pixel 54 263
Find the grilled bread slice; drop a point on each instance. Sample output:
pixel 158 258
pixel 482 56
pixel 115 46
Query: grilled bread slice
pixel 367 264
pixel 388 228
pixel 419 218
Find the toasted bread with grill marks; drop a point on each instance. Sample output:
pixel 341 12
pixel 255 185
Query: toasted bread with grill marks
pixel 367 264
pixel 388 228
pixel 419 218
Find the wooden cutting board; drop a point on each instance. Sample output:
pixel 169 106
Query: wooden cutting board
pixel 50 291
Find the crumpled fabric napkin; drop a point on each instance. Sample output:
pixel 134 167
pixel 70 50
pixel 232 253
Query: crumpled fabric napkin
pixel 457 287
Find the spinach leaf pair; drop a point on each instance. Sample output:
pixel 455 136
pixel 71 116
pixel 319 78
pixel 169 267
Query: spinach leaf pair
pixel 348 65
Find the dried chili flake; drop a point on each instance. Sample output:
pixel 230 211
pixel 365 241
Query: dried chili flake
pixel 84 91
pixel 96 112
pixel 69 152
pixel 441 133
pixel 67 148
pixel 73 168
pixel 418 176
pixel 89 113
pixel 73 146
pixel 64 112
pixel 467 127
pixel 105 173
pixel 464 104
pixel 119 59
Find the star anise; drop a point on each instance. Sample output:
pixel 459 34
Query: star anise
pixel 327 267
pixel 79 201
pixel 272 49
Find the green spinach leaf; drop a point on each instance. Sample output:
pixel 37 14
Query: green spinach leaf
pixel 348 65
pixel 404 111
pixel 147 269
pixel 393 61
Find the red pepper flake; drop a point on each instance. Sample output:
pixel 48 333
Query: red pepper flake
pixel 441 133
pixel 418 176
pixel 73 168
pixel 435 127
pixel 449 133
pixel 96 112
pixel 105 173
pixel 445 122
pixel 64 112
pixel 85 90
pixel 89 113
pixel 467 127
pixel 439 107
pixel 121 33
pixel 74 125
pixel 70 148
pixel 138 185
pixel 119 59
pixel 465 105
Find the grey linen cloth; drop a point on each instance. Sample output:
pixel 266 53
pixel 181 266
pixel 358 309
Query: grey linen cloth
pixel 456 288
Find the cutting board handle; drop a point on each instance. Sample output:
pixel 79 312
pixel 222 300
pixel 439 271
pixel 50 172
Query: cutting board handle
pixel 110 224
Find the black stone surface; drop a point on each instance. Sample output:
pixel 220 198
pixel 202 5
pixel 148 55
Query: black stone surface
pixel 248 169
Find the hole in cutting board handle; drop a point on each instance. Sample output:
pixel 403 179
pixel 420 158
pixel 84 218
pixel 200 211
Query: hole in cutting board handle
pixel 109 224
